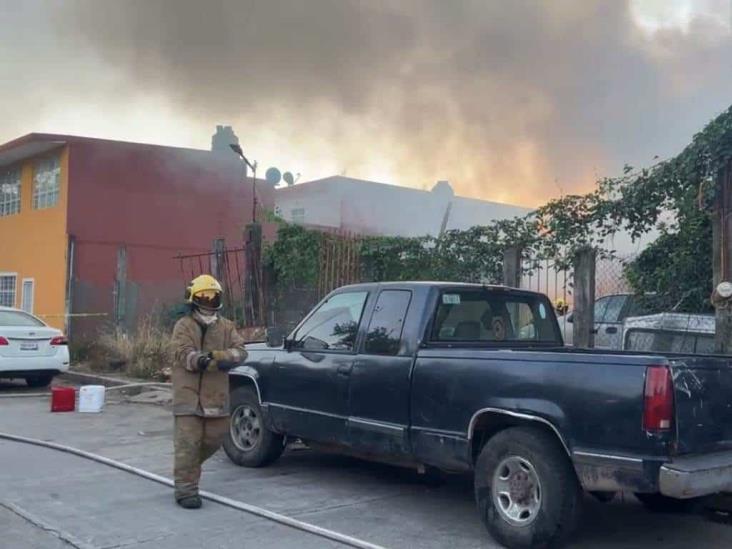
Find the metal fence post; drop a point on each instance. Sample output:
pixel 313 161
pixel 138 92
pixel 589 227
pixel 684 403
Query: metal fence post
pixel 583 320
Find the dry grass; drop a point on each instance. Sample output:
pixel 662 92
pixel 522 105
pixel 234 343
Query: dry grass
pixel 145 354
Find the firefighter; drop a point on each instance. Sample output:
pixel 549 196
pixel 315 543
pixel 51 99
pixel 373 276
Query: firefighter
pixel 206 346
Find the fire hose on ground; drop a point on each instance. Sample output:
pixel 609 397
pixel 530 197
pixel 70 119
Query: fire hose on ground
pixel 107 389
pixel 228 502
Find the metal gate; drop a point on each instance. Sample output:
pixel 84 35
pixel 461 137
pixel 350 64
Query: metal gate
pixel 228 266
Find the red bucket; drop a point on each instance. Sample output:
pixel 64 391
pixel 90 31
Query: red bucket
pixel 63 399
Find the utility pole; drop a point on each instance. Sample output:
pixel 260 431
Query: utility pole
pixel 253 291
pixel 237 149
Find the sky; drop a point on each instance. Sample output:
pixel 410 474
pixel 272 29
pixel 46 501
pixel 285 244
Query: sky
pixel 514 101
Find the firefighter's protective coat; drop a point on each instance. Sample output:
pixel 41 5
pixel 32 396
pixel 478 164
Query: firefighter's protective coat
pixel 204 394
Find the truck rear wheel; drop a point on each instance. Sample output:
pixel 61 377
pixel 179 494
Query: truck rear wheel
pixel 526 489
pixel 249 443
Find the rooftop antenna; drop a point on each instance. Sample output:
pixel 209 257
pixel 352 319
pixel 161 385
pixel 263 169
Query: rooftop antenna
pixel 237 149
pixel 273 176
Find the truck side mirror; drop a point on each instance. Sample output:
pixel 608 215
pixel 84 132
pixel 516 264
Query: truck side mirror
pixel 275 337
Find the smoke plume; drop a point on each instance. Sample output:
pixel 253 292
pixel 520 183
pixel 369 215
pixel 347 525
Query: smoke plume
pixel 512 101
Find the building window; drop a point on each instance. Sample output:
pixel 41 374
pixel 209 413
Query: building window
pixel 9 192
pixel 27 297
pixel 298 215
pixel 46 183
pixel 7 290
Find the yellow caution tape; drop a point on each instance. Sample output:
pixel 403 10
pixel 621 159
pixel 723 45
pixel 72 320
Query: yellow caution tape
pixel 73 315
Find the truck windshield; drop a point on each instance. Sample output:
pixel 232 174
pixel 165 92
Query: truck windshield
pixel 485 316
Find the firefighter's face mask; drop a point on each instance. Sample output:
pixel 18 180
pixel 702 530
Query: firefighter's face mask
pixel 205 317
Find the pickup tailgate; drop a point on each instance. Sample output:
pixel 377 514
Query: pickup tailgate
pixel 703 403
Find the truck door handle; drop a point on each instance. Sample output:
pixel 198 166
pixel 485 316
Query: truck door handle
pixel 344 370
pixel 611 330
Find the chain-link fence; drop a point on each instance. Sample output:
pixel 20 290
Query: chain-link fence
pixel 610 276
pixel 623 318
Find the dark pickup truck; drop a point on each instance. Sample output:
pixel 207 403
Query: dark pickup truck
pixel 462 378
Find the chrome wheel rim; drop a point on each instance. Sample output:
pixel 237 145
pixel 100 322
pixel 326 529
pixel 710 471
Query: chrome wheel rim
pixel 516 491
pixel 245 428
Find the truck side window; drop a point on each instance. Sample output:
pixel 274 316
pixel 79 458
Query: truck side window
pixel 334 325
pixel 614 307
pixel 387 321
pixel 600 307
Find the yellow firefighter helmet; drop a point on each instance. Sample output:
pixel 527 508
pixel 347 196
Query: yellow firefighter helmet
pixel 204 291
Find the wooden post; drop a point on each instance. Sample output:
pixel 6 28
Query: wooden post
pixel 512 267
pixel 120 289
pixel 722 260
pixel 583 318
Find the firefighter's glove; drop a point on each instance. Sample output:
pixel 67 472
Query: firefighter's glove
pixel 202 362
pixel 223 360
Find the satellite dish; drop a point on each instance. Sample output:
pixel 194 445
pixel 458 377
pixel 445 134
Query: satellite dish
pixel 289 179
pixel 273 176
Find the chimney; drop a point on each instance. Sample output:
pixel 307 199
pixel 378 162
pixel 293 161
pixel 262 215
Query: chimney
pixel 223 137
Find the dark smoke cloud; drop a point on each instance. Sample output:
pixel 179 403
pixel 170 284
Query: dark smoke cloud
pixel 509 100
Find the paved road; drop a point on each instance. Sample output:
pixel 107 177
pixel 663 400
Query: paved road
pixel 384 505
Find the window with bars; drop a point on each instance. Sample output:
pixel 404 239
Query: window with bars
pixel 9 192
pixel 46 182
pixel 7 289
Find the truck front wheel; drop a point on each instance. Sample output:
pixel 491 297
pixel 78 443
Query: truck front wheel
pixel 526 489
pixel 249 442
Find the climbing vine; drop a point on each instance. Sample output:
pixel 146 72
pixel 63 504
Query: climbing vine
pixel 674 195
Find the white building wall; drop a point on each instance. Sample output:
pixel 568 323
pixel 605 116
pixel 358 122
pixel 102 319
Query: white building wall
pixel 378 208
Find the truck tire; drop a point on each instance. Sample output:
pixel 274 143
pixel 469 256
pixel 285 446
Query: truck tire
pixel 658 503
pixel 38 382
pixel 249 443
pixel 526 489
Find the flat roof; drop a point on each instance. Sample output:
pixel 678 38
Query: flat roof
pixel 37 143
pixel 17 150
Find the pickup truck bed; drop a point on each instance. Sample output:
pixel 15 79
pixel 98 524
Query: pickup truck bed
pixel 468 377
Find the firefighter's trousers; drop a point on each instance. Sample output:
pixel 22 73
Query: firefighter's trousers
pixel 196 439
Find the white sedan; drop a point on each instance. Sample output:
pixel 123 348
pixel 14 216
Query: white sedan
pixel 30 349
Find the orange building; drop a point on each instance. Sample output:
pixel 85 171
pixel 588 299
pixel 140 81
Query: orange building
pixel 33 234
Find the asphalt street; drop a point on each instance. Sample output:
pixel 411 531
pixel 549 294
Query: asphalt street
pixel 50 499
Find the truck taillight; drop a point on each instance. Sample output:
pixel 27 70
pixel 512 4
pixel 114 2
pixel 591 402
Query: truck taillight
pixel 59 340
pixel 4 341
pixel 658 405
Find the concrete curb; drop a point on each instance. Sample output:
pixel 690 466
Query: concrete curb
pixel 96 379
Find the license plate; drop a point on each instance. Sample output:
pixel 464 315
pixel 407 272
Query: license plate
pixel 29 346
